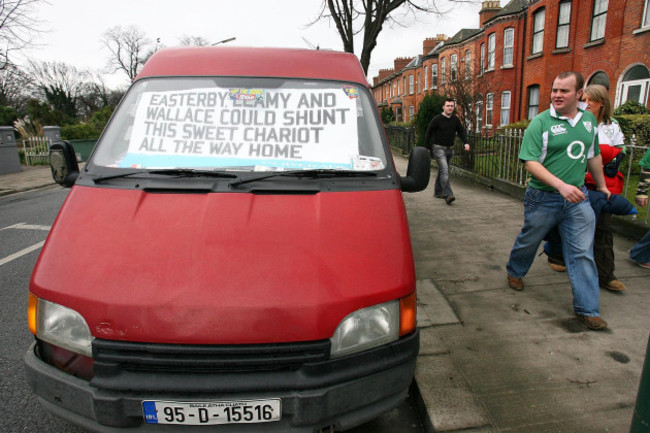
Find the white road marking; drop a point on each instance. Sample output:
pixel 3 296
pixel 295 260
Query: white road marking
pixel 23 226
pixel 21 253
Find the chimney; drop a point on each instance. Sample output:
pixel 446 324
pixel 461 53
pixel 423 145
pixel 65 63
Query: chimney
pixel 489 9
pixel 384 73
pixel 401 62
pixel 430 43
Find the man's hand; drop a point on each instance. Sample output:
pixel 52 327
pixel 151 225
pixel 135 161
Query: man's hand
pixel 466 147
pixel 605 191
pixel 571 193
pixel 641 201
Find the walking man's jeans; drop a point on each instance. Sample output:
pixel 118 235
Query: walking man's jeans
pixel 576 221
pixel 443 156
pixel 640 252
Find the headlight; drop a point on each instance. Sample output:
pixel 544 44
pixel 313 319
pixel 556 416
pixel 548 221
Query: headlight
pixel 59 325
pixel 367 328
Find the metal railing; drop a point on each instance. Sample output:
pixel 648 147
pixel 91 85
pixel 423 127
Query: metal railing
pixel 37 150
pixel 496 157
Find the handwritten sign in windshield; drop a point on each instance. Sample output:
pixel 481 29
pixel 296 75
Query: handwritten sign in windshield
pixel 217 127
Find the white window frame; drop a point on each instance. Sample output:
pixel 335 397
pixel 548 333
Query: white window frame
pixel 482 59
pixel 489 109
pixel 492 45
pixel 434 76
pixel 563 24
pixel 468 64
pixel 506 100
pixel 411 84
pixel 508 46
pixel 443 71
pixel 645 18
pixel 426 77
pixel 479 115
pixel 411 113
pixel 453 66
pixel 539 19
pixel 599 20
pixel 533 101
pixel 419 83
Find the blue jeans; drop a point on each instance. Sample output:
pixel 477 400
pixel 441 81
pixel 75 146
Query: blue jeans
pixel 576 221
pixel 443 156
pixel 640 252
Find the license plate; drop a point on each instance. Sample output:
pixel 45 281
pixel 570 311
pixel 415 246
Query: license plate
pixel 212 412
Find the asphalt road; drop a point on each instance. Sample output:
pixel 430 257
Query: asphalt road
pixel 25 220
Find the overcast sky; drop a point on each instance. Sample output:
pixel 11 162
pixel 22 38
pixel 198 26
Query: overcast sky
pixel 75 28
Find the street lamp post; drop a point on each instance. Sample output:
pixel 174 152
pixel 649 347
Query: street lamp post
pixel 224 41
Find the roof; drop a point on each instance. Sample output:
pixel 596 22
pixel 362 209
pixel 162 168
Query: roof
pixel 462 35
pixel 513 7
pixel 255 62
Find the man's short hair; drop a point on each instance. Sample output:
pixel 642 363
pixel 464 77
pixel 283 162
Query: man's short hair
pixel 580 81
pixel 450 100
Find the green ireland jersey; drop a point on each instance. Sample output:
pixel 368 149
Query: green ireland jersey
pixel 561 145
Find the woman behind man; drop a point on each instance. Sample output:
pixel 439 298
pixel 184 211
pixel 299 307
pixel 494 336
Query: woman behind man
pixel 610 137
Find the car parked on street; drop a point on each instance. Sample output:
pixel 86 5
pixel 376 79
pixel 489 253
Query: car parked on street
pixel 234 254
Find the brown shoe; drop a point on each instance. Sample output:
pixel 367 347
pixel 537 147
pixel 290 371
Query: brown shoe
pixel 592 322
pixel 556 265
pixel 615 286
pixel 515 283
pixel 450 199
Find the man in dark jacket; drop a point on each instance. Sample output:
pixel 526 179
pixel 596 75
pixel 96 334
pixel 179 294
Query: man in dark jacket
pixel 440 139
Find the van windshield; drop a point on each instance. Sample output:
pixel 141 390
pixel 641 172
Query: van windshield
pixel 243 124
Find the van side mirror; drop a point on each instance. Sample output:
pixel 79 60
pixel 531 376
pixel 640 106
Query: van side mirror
pixel 418 171
pixel 63 163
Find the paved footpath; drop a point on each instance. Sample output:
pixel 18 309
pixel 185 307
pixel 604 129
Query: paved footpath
pixel 496 360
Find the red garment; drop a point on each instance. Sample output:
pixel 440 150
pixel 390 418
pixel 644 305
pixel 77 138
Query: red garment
pixel 614 184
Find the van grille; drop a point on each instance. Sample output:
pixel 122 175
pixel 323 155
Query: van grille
pixel 177 358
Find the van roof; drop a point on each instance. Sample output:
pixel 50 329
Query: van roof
pixel 254 62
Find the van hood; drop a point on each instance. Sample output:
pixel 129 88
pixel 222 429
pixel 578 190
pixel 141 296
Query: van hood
pixel 224 268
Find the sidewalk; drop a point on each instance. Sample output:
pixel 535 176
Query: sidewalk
pixel 32 177
pixel 496 360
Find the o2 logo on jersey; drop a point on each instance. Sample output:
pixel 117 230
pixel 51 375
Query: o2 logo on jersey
pixel 571 150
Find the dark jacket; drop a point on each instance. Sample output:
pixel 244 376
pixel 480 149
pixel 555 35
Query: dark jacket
pixel 442 130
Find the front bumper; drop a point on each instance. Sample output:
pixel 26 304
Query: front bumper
pixel 349 392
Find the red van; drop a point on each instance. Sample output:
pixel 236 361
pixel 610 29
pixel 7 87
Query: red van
pixel 235 253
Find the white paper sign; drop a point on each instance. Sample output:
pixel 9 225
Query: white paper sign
pixel 225 127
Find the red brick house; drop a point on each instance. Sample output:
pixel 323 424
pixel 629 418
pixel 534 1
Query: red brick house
pixel 503 71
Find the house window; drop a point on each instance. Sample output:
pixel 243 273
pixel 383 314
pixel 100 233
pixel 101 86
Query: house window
pixel 479 115
pixel 426 77
pixel 539 18
pixel 599 20
pixel 411 87
pixel 453 62
pixel 482 65
pixel 636 85
pixel 646 14
pixel 410 113
pixel 600 78
pixel 404 86
pixel 468 65
pixel 505 108
pixel 443 70
pixel 563 25
pixel 491 47
pixel 419 83
pixel 434 76
pixel 508 46
pixel 533 101
pixel 489 105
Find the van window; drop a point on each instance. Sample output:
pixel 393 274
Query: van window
pixel 243 124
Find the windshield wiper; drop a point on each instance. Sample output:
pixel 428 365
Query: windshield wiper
pixel 321 172
pixel 183 172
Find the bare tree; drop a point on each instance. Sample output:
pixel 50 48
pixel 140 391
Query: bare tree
pixel 18 27
pixel 129 47
pixel 353 17
pixel 59 84
pixel 16 87
pixel 193 41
